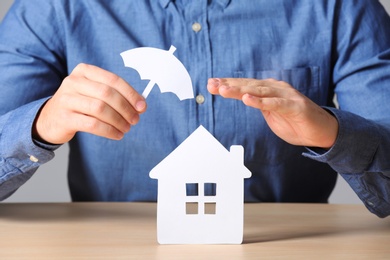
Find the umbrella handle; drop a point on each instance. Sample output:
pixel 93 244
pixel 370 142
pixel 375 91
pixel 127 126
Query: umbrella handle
pixel 148 89
pixel 151 83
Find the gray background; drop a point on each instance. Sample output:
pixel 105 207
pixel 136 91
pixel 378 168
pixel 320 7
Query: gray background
pixel 49 184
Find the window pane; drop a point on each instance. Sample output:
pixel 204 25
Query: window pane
pixel 191 208
pixel 192 189
pixel 209 208
pixel 210 189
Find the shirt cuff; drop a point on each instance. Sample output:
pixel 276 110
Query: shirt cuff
pixel 370 187
pixel 16 143
pixel 355 146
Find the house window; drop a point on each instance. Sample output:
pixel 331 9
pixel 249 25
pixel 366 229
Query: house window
pixel 192 189
pixel 209 208
pixel 191 208
pixel 201 198
pixel 210 189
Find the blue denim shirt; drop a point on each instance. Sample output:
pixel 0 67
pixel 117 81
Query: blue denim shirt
pixel 321 47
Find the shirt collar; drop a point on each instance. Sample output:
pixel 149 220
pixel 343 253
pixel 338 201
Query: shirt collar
pixel 223 3
pixel 164 3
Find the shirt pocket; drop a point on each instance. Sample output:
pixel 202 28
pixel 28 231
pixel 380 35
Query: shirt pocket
pixel 305 80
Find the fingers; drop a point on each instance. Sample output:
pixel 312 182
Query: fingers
pixel 268 94
pixel 236 88
pixel 103 85
pixel 97 127
pixel 98 109
pixel 106 97
pixel 98 95
pixel 96 74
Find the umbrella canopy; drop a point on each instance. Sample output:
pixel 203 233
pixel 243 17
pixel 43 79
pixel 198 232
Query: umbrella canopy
pixel 161 67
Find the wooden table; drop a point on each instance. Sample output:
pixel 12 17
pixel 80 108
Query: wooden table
pixel 128 231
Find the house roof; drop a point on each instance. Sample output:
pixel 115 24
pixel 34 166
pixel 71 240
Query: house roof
pixel 201 153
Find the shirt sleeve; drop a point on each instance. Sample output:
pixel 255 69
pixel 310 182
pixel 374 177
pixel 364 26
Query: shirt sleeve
pixel 31 70
pixel 20 155
pixel 362 86
pixel 360 156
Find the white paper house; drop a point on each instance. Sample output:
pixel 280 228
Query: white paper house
pixel 201 192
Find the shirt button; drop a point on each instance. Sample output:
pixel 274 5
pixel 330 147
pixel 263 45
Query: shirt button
pixel 199 99
pixel 33 158
pixel 196 27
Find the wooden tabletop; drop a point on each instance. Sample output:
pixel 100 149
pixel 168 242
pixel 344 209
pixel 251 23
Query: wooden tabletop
pixel 128 231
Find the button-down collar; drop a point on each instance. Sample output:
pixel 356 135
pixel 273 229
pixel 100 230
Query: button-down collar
pixel 223 3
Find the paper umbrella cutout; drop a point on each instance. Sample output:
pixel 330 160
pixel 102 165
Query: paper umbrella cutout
pixel 161 67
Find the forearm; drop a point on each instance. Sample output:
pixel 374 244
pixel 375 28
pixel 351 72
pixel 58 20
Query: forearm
pixel 360 155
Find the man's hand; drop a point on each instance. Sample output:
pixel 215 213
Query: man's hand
pixel 90 100
pixel 290 115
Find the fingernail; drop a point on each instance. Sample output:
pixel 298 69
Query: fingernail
pixel 119 135
pixel 140 105
pixel 127 128
pixel 134 119
pixel 213 83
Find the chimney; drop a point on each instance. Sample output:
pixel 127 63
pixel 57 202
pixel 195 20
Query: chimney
pixel 237 154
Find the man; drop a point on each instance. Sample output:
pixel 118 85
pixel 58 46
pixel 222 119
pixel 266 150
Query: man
pixel 264 73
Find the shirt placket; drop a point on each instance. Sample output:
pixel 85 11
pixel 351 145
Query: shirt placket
pixel 199 61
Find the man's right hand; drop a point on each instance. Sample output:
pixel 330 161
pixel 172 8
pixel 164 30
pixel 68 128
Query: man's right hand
pixel 90 100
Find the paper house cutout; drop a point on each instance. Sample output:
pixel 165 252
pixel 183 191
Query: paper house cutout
pixel 201 192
